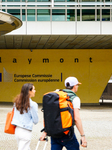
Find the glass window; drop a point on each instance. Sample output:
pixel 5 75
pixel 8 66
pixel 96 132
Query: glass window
pixel 70 5
pixel 13 0
pixel 3 0
pixel 30 0
pixel 88 0
pixel 105 14
pixel 13 5
pixel 108 4
pixel 30 15
pixel 70 0
pixel 4 10
pixel 88 14
pixel 59 0
pixel 78 14
pixel 98 1
pixel 43 0
pixel 58 15
pixel 98 14
pixel 59 5
pixel 70 15
pixel 14 12
pixel 88 5
pixel 43 6
pixel 43 15
pixel 23 15
pixel 30 5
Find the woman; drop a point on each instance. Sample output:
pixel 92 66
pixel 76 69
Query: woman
pixel 25 114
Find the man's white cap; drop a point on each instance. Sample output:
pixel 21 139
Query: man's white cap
pixel 72 81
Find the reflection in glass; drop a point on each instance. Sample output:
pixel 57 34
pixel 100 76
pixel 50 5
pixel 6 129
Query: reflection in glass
pixel 98 14
pixel 43 5
pixel 23 15
pixel 30 15
pixel 4 10
pixel 14 12
pixel 13 0
pixel 43 15
pixel 88 14
pixel 30 5
pixel 30 0
pixel 78 14
pixel 59 5
pixel 105 14
pixel 88 0
pixel 43 0
pixel 58 15
pixel 59 0
pixel 70 0
pixel 71 15
pixel 13 5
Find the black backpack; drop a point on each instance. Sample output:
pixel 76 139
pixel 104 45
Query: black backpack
pixel 58 114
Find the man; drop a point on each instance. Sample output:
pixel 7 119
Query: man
pixel 71 84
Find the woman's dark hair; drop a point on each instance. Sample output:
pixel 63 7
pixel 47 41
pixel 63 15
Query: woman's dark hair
pixel 68 86
pixel 22 100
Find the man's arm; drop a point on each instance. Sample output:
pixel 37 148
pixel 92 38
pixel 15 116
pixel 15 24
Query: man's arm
pixel 78 124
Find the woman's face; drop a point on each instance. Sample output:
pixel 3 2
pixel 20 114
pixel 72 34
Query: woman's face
pixel 32 93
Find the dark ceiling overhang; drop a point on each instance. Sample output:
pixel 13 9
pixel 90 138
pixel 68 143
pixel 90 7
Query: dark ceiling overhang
pixel 56 42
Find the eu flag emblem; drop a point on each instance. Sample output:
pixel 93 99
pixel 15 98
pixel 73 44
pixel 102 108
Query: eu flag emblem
pixel 0 77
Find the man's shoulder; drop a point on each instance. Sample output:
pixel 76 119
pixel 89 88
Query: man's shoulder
pixel 76 98
pixel 76 102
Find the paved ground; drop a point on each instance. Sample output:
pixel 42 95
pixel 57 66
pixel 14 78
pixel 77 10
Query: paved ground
pixel 97 123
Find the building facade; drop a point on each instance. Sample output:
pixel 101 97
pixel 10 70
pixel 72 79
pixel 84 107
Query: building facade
pixel 57 39
pixel 61 16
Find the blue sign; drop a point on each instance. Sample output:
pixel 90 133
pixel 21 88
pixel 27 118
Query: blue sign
pixel 0 77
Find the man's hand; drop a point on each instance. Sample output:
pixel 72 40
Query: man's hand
pixel 83 142
pixel 44 134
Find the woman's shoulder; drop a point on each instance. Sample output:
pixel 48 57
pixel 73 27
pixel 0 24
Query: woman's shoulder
pixel 32 103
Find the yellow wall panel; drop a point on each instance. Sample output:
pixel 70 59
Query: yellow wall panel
pixel 47 70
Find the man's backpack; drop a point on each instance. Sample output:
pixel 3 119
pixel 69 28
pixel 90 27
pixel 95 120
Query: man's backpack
pixel 58 114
